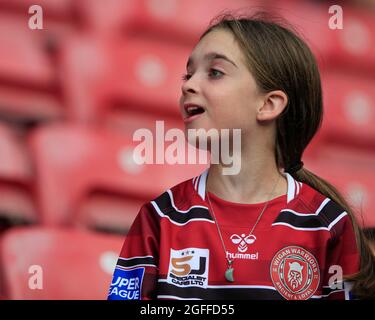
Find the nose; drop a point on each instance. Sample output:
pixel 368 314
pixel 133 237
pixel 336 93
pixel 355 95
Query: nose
pixel 190 86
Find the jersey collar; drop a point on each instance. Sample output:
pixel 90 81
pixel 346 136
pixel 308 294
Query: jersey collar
pixel 294 186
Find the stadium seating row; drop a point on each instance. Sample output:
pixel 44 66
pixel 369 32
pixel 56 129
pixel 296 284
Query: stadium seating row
pixel 103 81
pixel 81 176
pixel 353 45
pixel 88 176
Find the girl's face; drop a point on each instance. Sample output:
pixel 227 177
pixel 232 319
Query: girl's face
pixel 220 84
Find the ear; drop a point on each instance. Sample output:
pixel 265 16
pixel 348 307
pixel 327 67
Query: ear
pixel 273 104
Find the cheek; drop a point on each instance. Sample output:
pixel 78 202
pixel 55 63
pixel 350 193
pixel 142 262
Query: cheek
pixel 236 111
pixel 246 105
pixel 232 105
pixel 233 96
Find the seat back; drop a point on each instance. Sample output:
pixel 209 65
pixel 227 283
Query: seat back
pixel 44 263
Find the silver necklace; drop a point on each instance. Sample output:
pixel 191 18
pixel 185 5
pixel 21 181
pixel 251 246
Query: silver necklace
pixel 230 270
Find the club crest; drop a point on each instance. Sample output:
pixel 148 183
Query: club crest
pixel 295 273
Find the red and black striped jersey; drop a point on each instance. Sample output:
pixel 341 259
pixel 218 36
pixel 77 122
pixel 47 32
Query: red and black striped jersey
pixel 302 247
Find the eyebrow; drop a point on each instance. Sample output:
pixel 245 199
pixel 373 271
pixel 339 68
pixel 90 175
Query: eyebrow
pixel 212 56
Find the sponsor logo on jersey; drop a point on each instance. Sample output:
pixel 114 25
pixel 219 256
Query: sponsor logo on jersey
pixel 126 284
pixel 188 267
pixel 295 273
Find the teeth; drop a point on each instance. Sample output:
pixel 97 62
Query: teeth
pixel 193 108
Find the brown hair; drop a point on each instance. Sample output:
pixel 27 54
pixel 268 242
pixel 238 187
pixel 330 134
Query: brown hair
pixel 280 60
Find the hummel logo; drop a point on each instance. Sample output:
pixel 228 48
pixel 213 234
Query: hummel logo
pixel 242 241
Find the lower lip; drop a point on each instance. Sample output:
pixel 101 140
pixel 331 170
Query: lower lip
pixel 192 118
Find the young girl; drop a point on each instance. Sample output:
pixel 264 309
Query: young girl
pixel 273 231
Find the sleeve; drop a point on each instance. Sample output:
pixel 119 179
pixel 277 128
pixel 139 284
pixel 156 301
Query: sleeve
pixel 136 271
pixel 342 260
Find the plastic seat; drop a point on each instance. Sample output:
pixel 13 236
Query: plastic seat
pixel 352 171
pixel 105 18
pixel 132 75
pixel 352 47
pixel 15 164
pixel 86 65
pixel 181 20
pixel 57 264
pixel 17 204
pixel 107 211
pixel 81 167
pixel 52 9
pixel 147 75
pixel 28 106
pixel 22 55
pixel 349 105
pixel 28 79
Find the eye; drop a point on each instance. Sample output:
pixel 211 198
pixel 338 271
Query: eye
pixel 214 73
pixel 186 76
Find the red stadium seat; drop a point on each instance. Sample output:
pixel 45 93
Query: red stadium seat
pixel 103 77
pixel 85 63
pixel 61 9
pixel 79 168
pixel 22 55
pixel 106 211
pixel 109 17
pixel 352 171
pixel 184 20
pixel 349 105
pixel 15 164
pixel 147 74
pixel 28 106
pixel 28 80
pixel 16 173
pixel 57 264
pixel 352 47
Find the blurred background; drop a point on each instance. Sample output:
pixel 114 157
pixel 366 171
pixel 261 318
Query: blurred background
pixel 73 93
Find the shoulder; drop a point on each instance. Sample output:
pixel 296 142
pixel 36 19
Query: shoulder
pixel 311 210
pixel 181 203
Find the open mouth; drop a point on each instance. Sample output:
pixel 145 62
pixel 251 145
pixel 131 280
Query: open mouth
pixel 193 110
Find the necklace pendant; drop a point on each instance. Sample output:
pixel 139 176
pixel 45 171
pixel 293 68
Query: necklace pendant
pixel 229 274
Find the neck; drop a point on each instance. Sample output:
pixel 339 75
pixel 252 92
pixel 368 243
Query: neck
pixel 255 181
